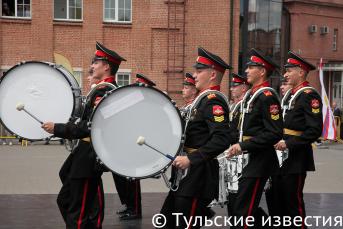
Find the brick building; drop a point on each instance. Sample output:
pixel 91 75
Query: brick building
pixel 158 38
pixel 316 28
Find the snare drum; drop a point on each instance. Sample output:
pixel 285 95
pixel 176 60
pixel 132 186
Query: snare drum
pixel 127 113
pixel 48 91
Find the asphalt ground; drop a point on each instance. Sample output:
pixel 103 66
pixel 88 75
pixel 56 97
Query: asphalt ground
pixel 29 183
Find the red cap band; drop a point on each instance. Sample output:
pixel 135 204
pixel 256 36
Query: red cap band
pixel 190 80
pixel 237 80
pixel 141 80
pixel 108 57
pixel 265 64
pixel 214 65
pixel 300 64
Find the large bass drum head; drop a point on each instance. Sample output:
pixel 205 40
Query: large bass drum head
pixel 126 114
pixel 44 91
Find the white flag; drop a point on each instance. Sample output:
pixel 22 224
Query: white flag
pixel 329 126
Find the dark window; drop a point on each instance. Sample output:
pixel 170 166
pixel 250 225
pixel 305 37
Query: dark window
pixel 123 78
pixel 16 8
pixel 68 9
pixel 117 10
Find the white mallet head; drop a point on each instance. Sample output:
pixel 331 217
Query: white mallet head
pixel 93 85
pixel 140 140
pixel 20 106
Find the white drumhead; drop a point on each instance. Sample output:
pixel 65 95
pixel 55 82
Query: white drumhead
pixel 43 90
pixel 126 114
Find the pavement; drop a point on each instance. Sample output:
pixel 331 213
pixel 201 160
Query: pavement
pixel 33 169
pixel 29 183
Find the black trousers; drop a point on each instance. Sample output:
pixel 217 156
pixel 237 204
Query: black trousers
pixel 285 197
pixel 120 183
pixel 81 203
pixel 188 206
pixel 231 203
pixel 129 192
pixel 247 199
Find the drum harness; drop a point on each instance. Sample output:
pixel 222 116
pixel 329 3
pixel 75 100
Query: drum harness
pixel 188 113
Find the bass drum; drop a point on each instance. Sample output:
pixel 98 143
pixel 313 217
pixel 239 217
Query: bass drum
pixel 122 117
pixel 48 91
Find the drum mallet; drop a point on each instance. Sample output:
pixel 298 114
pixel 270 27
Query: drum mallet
pixel 21 106
pixel 141 141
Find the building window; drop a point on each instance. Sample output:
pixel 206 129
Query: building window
pixel 123 78
pixel 117 11
pixel 68 9
pixel 335 38
pixel 16 8
pixel 78 75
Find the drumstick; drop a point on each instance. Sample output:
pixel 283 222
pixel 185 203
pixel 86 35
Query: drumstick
pixel 20 107
pixel 141 141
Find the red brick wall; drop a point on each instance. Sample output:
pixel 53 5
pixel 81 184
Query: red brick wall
pixel 313 46
pixel 143 43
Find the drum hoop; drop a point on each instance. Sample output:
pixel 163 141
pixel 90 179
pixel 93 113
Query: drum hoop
pixel 50 65
pixel 178 113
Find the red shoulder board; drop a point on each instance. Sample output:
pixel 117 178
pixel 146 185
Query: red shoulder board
pixel 211 96
pixel 307 91
pixel 267 93
pixel 218 110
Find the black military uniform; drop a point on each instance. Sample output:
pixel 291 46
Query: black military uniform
pixel 80 173
pixel 262 128
pixel 302 126
pixel 235 115
pixel 207 135
pixel 129 190
pixel 189 81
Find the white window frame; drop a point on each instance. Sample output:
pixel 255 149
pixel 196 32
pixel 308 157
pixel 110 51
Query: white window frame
pixel 16 11
pixel 115 20
pixel 68 19
pixel 123 72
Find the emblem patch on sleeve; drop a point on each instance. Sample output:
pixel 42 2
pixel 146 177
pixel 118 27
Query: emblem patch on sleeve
pixel 218 110
pixel 274 112
pixel 218 113
pixel 219 118
pixel 315 105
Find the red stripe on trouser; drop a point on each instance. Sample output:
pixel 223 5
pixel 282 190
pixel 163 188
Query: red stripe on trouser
pixel 300 208
pixel 194 205
pixel 100 207
pixel 252 199
pixel 136 196
pixel 84 198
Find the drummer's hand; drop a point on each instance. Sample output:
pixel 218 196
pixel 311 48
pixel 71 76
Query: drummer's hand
pixel 234 150
pixel 182 162
pixel 48 127
pixel 281 145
